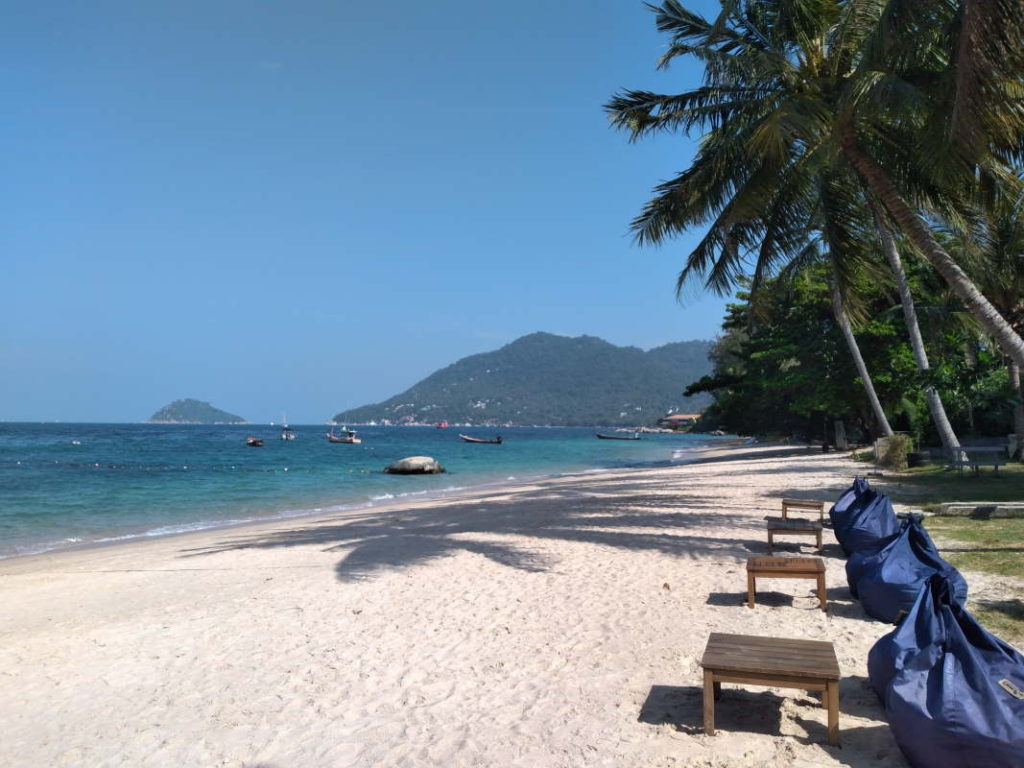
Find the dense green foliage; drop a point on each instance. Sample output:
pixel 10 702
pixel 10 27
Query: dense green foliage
pixel 190 411
pixel 548 379
pixel 780 366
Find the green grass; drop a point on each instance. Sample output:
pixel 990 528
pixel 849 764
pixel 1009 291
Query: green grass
pixel 933 485
pixel 992 546
pixel 1004 619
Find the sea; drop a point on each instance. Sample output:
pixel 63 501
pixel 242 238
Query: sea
pixel 69 485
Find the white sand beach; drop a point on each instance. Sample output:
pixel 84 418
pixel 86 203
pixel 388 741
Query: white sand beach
pixel 553 624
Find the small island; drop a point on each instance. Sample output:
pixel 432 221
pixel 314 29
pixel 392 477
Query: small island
pixel 191 411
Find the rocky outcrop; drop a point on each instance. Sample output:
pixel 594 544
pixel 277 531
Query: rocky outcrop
pixel 415 465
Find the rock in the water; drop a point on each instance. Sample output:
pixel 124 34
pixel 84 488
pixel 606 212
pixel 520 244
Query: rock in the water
pixel 415 465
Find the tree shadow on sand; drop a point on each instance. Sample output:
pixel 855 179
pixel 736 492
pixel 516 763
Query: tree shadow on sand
pixel 639 516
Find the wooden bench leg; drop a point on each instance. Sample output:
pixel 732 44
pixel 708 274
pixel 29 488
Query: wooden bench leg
pixel 709 703
pixel 822 594
pixel 832 695
pixel 751 589
pixel 770 543
pixel 818 534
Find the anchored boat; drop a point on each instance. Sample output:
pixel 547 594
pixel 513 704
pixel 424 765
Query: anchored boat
pixel 496 441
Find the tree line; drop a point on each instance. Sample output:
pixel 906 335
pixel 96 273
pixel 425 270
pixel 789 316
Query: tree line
pixel 859 179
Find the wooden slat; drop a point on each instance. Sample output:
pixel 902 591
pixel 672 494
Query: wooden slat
pixel 765 566
pixel 803 504
pixel 770 656
pixel 777 681
pixel 793 525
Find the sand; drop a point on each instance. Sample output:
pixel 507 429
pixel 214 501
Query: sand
pixel 559 623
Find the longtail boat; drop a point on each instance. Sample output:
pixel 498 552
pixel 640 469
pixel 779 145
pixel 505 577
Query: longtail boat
pixel 468 439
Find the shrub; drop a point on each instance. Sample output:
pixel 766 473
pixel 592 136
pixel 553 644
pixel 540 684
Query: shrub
pixel 894 451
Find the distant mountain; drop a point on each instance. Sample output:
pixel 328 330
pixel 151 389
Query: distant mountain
pixel 557 380
pixel 189 411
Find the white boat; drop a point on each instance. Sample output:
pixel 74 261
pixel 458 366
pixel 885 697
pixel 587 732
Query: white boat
pixel 286 431
pixel 348 437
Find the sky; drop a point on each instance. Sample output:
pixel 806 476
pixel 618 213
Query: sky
pixel 301 207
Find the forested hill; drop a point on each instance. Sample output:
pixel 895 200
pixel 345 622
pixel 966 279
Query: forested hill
pixel 557 380
pixel 190 411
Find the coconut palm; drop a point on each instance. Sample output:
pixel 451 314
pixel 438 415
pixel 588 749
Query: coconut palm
pixel 937 93
pixel 931 394
pixel 997 253
pixel 784 207
pixel 793 88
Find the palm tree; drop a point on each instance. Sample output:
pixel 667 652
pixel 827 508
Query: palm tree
pixel 937 85
pixel 780 205
pixel 998 255
pixel 931 394
pixel 791 88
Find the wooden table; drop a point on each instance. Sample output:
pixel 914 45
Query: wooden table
pixel 803 504
pixel 781 525
pixel 773 661
pixel 786 568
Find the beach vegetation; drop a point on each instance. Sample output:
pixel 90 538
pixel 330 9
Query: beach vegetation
pixel 835 141
pixel 894 451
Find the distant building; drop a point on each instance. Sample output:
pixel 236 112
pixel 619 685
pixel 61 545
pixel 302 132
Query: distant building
pixel 676 420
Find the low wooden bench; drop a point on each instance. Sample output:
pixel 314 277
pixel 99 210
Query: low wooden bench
pixel 786 568
pixel 772 661
pixel 805 505
pixel 780 525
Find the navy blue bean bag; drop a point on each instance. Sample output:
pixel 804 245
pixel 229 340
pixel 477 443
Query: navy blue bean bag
pixel 890 577
pixel 848 497
pixel 856 561
pixel 954 693
pixel 869 519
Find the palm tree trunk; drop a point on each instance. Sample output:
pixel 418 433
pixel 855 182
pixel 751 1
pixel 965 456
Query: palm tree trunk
pixel 858 360
pixel 879 183
pixel 1018 409
pixel 931 395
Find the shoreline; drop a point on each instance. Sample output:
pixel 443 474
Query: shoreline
pixel 703 453
pixel 557 623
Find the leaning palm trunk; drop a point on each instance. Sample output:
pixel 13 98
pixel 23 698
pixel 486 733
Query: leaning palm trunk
pixel 858 360
pixel 880 184
pixel 931 395
pixel 1018 409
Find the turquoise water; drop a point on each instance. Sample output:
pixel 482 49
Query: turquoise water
pixel 64 485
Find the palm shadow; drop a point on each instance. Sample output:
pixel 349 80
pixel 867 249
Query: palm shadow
pixel 638 516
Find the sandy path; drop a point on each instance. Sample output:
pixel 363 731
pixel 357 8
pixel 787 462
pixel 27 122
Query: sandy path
pixel 558 624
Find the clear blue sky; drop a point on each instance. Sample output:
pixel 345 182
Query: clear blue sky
pixel 307 206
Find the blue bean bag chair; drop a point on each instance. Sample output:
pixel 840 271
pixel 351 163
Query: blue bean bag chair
pixel 856 561
pixel 868 520
pixel 954 693
pixel 891 576
pixel 848 497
